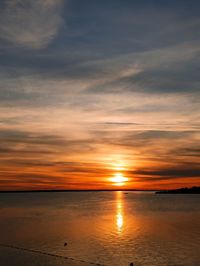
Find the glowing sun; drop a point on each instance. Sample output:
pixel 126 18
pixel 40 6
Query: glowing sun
pixel 119 179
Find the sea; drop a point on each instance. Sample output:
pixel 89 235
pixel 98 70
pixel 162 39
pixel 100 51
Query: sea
pixel 113 228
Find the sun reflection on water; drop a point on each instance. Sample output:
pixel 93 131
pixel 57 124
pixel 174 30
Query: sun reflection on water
pixel 119 212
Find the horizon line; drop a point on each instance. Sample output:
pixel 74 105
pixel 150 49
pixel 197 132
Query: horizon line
pixel 72 190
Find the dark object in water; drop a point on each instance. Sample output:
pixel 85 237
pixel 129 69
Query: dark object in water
pixel 131 264
pixel 65 244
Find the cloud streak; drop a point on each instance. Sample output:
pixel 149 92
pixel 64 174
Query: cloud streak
pixel 32 24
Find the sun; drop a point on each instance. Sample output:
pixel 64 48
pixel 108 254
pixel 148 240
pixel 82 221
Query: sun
pixel 119 179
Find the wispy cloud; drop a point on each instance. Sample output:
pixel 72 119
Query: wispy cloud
pixel 32 24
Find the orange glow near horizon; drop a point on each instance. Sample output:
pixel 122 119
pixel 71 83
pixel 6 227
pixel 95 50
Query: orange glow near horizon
pixel 92 171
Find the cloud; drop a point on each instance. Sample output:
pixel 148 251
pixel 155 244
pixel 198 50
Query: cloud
pixel 30 144
pixel 36 157
pixel 169 173
pixel 165 70
pixel 31 24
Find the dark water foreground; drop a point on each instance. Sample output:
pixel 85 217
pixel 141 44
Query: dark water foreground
pixel 12 256
pixel 111 228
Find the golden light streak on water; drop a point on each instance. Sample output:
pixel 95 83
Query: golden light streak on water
pixel 119 212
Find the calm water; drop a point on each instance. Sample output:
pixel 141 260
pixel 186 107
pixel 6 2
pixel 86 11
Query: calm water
pixel 112 228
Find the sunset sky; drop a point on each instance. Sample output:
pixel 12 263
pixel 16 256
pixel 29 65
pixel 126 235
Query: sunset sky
pixel 99 94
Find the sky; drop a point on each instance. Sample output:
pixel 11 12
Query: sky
pixel 99 94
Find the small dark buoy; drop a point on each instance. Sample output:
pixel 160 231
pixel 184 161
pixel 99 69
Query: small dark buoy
pixel 65 244
pixel 131 264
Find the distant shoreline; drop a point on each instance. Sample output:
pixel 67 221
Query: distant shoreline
pixel 192 190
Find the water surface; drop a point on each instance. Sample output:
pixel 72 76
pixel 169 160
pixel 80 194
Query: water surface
pixel 112 228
